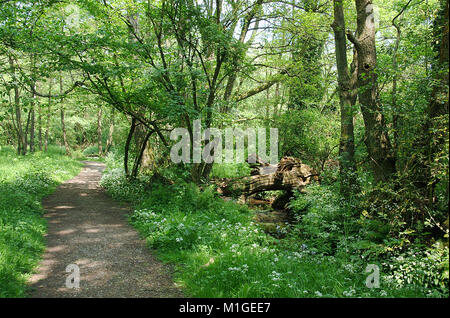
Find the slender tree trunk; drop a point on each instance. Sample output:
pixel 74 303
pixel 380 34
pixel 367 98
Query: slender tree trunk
pixel 47 128
pixel 32 123
pixel 347 140
pixel 138 161
pixel 63 124
pixel 32 108
pixel 40 126
pixel 26 131
pixel 376 135
pixel 127 146
pixel 277 100
pixel 267 98
pixel 109 142
pixel 99 132
pixel 21 144
pixel 394 90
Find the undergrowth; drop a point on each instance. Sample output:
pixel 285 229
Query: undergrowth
pixel 24 181
pixel 219 251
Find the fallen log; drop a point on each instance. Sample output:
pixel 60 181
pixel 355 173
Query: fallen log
pixel 289 174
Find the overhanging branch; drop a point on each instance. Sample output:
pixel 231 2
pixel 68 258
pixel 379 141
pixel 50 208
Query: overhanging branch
pixel 257 90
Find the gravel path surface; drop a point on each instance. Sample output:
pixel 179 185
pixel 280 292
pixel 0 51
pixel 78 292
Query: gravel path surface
pixel 89 229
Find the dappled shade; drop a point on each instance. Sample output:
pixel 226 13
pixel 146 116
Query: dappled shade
pixel 91 231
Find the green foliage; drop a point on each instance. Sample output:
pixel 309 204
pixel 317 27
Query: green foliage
pixel 119 187
pixel 428 268
pixel 221 252
pixel 308 134
pixel 230 170
pixel 90 151
pixel 24 181
pixel 329 226
pixel 178 70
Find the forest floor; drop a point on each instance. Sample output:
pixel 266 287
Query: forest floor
pixel 88 228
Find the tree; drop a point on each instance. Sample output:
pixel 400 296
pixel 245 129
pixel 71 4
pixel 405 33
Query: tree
pixel 99 132
pixel 346 98
pixel 376 135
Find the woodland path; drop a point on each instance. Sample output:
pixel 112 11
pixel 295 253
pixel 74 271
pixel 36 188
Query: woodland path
pixel 89 229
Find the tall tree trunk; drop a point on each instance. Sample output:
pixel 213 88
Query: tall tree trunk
pixel 99 132
pixel 32 109
pixel 40 126
pixel 347 139
pixel 127 146
pixel 33 122
pixel 267 98
pixel 63 123
pixel 109 142
pixel 376 135
pixel 138 161
pixel 26 131
pixel 21 144
pixel 277 100
pixel 47 126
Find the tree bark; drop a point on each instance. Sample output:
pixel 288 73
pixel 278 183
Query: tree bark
pixel 21 143
pixel 63 124
pixel 138 161
pixel 33 122
pixel 47 126
pixel 32 109
pixel 26 131
pixel 289 174
pixel 127 146
pixel 40 126
pixel 99 132
pixel 109 142
pixel 376 135
pixel 347 140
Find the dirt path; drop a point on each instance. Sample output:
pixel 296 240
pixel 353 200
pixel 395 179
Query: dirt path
pixel 89 229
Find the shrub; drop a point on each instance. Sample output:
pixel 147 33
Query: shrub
pixel 429 269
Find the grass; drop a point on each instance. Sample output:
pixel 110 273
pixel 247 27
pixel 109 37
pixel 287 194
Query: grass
pixel 24 181
pixel 220 252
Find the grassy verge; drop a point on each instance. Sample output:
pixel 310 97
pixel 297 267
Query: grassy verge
pixel 220 252
pixel 24 181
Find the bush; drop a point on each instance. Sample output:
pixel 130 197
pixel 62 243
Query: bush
pixel 322 220
pixel 119 187
pixel 330 227
pixel 429 269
